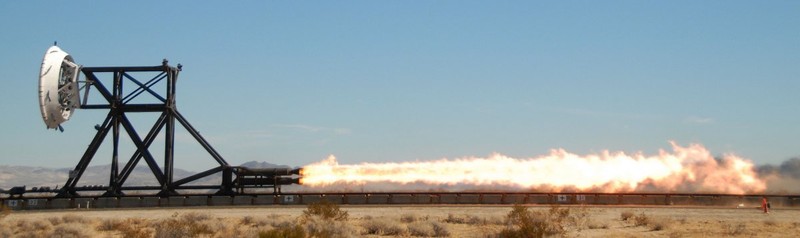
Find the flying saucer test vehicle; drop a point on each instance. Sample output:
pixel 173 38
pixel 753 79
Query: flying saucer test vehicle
pixel 58 87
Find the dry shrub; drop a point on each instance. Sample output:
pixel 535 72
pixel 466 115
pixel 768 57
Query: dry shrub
pixel 641 220
pixel 72 218
pixel 624 216
pixel 318 227
pixel 24 225
pixel 225 228
pixel 326 210
pixel 4 211
pixel 136 227
pixel 559 214
pixel 247 220
pixel 5 230
pixel 132 227
pixel 420 229
pixel 197 229
pixel 277 221
pixel 29 234
pixel 200 228
pixel 43 228
pixel 440 230
pixel 494 220
pixel 237 232
pixel 428 229
pixel 190 224
pixel 41 225
pixel 26 228
pixel 596 225
pixel 408 218
pixel 69 218
pixel 137 232
pixel 654 223
pixel 659 224
pixel 383 226
pixel 54 220
pixel 196 223
pixel 110 225
pixel 259 221
pixel 72 230
pixel 465 219
pixel 170 228
pixel 524 223
pixel 295 231
pixel 194 217
pixel 137 221
pixel 454 219
pixel 735 230
pixel 580 218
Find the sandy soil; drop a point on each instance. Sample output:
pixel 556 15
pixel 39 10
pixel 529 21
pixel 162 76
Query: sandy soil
pixel 601 221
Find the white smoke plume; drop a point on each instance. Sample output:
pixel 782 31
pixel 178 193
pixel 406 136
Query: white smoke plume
pixel 684 169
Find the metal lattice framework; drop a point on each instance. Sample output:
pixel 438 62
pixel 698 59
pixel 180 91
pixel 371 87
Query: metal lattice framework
pixel 119 104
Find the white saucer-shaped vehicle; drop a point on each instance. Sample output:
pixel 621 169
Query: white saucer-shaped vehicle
pixel 58 87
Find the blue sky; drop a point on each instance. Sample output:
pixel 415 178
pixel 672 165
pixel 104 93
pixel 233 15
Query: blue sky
pixel 370 81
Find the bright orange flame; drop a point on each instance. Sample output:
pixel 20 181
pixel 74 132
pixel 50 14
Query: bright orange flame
pixel 686 169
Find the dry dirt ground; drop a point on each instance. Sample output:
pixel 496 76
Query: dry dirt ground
pixel 459 221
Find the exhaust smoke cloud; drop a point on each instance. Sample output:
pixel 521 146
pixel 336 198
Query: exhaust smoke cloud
pixel 684 169
pixel 782 179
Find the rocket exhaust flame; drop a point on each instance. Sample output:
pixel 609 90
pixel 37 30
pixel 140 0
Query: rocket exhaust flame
pixel 685 169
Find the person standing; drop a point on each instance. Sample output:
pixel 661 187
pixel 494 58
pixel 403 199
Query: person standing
pixel 765 205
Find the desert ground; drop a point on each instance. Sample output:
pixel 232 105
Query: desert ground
pixel 402 221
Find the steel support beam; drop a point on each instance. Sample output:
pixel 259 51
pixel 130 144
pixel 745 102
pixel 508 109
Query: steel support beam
pixel 118 106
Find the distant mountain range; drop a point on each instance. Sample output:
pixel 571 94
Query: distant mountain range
pixel 31 176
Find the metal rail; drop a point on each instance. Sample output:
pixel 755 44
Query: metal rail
pixel 399 198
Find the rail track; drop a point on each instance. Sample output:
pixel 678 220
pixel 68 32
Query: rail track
pixel 399 198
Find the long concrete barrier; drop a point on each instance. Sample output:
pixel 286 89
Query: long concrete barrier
pixel 448 199
pixel 355 199
pixel 336 199
pixel 378 199
pixel 15 204
pixel 469 198
pixel 423 199
pixel 542 199
pixel 130 202
pixel 242 200
pixel 221 201
pixel 173 201
pixel 194 201
pixel 106 202
pixel 308 199
pixel 514 199
pixel 153 202
pixel 36 204
pixel 491 199
pixel 288 199
pixel 264 200
pixel 83 203
pixel 401 199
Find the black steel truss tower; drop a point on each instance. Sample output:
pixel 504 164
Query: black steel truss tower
pixel 118 105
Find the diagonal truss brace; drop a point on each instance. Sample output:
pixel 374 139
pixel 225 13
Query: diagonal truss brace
pixel 117 119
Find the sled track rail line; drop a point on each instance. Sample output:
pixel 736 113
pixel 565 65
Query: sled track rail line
pixel 399 198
